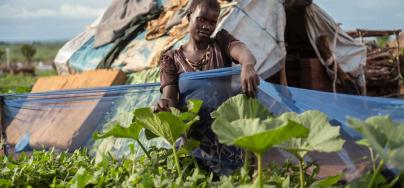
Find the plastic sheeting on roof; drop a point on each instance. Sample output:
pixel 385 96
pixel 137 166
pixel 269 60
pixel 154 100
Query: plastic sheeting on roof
pixel 87 57
pixel 139 54
pixel 261 26
pixel 118 17
pixel 67 51
pixel 350 55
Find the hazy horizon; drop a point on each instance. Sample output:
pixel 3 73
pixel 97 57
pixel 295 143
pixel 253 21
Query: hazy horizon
pixel 56 21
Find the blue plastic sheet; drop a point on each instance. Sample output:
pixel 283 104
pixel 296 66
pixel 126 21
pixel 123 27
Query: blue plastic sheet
pixel 87 57
pixel 115 104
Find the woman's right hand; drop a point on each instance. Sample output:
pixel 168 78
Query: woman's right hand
pixel 163 105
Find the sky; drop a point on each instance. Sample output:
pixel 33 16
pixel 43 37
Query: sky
pixel 48 20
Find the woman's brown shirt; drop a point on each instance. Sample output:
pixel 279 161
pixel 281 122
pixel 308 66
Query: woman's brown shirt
pixel 174 62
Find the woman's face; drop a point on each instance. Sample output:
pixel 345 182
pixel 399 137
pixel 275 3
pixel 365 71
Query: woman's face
pixel 202 22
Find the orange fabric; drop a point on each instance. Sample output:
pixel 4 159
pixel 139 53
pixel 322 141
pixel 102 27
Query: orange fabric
pixel 156 28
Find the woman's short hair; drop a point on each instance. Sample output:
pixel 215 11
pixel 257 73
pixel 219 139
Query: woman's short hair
pixel 214 4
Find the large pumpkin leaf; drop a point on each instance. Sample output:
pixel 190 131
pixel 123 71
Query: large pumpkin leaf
pixel 384 136
pixel 163 124
pixel 118 131
pixel 322 137
pixel 255 135
pixel 241 107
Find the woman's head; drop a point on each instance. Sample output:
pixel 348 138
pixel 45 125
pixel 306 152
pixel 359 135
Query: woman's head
pixel 203 16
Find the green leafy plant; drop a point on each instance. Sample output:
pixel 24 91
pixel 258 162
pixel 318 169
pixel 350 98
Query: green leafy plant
pixel 241 107
pixel 237 122
pixel 169 125
pixel 256 136
pixel 118 131
pixel 322 137
pixel 384 137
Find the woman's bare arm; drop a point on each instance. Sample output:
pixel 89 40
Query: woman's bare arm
pixel 249 77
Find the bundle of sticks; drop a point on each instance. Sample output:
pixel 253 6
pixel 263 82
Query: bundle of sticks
pixel 382 73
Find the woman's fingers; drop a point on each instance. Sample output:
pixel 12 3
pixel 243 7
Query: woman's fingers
pixel 249 80
pixel 255 87
pixel 244 86
pixel 250 86
pixel 162 105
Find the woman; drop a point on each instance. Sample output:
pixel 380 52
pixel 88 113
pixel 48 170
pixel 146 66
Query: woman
pixel 204 53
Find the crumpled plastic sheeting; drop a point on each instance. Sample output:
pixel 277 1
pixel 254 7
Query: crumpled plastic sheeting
pixel 350 54
pixel 118 17
pixel 88 58
pixel 67 51
pixel 139 54
pixel 261 26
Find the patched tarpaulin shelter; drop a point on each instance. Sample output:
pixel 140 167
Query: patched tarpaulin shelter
pixel 262 25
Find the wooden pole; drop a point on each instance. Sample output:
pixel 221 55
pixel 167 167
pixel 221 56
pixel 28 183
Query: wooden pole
pixel 3 138
pixel 398 61
pixel 283 75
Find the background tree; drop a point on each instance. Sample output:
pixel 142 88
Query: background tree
pixel 28 51
pixel 2 53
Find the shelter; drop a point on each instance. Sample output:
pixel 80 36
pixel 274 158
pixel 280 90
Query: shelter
pixel 279 32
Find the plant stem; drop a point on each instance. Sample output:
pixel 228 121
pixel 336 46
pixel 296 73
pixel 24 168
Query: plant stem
pixel 144 149
pixel 246 161
pixel 301 163
pixel 372 158
pixel 177 164
pixel 259 159
pixel 375 173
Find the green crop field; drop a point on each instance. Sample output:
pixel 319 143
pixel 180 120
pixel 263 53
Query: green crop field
pixel 10 84
pixel 252 128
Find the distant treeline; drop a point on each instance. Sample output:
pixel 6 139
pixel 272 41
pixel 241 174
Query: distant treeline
pixel 45 51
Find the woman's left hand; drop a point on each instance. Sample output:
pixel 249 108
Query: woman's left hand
pixel 249 80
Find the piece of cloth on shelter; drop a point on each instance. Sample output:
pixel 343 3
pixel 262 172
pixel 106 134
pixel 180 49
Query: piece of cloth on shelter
pixel 350 55
pixel 87 57
pixel 158 27
pixel 178 16
pixel 68 49
pixel 119 16
pixel 142 54
pixel 261 26
pixel 130 34
pixel 139 54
